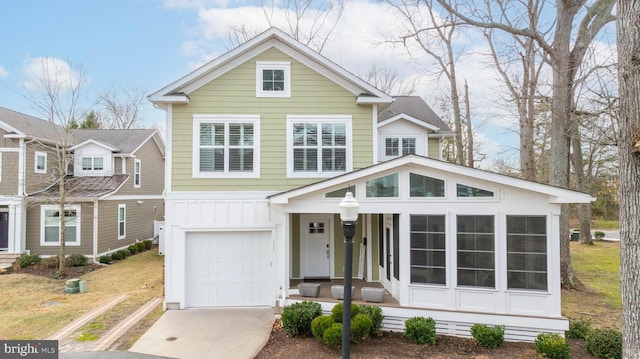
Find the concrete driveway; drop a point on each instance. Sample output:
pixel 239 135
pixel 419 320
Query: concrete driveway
pixel 208 333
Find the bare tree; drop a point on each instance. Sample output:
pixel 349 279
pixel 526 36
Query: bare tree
pixel 120 108
pixel 57 93
pixel 388 80
pixel 629 157
pixel 565 50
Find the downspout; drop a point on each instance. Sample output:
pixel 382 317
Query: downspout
pixel 95 230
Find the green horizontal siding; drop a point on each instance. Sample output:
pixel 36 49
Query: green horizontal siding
pixel 235 93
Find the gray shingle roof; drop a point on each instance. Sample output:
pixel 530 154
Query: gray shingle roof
pixel 31 126
pixel 124 140
pixel 413 106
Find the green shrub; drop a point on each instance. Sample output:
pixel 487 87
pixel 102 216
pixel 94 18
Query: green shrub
pixel 604 343
pixel 141 247
pixel 296 318
pixel 333 335
pixel 552 346
pixel 598 234
pixel 116 256
pixel 133 249
pixel 51 262
pixel 147 244
pixel 106 259
pixel 337 311
pixel 488 336
pixel 320 324
pixel 27 260
pixel 375 313
pixel 578 328
pixel 420 330
pixel 77 260
pixel 124 253
pixel 360 326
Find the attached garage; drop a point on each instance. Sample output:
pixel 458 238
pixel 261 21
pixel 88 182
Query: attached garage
pixel 229 269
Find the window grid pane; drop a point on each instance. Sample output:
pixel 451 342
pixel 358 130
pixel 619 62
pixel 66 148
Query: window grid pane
pixel 391 146
pixel 226 147
pixel 428 252
pixel 329 150
pixel 526 252
pixel 408 146
pixel 98 164
pixel 475 251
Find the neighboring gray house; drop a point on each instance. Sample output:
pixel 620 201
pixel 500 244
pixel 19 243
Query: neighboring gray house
pixel 114 186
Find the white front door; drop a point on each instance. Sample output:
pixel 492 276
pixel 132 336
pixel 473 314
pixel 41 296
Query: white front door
pixel 316 236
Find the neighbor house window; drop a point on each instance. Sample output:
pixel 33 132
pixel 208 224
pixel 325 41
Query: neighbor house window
pixel 136 173
pixel 527 252
pixel 468 191
pixel 41 162
pixel 92 163
pixel 122 221
pixel 226 146
pixel 386 186
pixel 319 146
pixel 428 255
pixel 423 186
pixel 475 240
pixel 51 224
pixel 273 79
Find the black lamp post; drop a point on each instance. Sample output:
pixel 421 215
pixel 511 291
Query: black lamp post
pixel 349 217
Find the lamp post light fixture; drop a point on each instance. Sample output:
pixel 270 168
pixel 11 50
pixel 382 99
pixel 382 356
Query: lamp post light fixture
pixel 349 217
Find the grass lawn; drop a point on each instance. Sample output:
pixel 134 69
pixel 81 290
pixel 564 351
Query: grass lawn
pixel 598 267
pixel 25 304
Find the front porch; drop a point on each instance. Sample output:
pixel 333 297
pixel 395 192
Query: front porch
pixel 356 297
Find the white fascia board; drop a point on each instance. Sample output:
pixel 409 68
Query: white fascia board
pixel 411 119
pixel 168 99
pixel 8 128
pixel 443 134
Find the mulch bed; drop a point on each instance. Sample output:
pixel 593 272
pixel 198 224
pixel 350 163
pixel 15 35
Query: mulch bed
pixel 43 270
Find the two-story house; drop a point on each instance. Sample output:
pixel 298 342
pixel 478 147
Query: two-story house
pixel 262 144
pixel 113 187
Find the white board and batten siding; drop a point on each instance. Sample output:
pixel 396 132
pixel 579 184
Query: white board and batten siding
pixel 219 251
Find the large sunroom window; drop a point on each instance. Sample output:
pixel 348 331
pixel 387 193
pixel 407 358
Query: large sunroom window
pixel 386 186
pixel 423 186
pixel 468 191
pixel 527 252
pixel 476 256
pixel 428 255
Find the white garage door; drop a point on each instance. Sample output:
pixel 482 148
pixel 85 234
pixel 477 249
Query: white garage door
pixel 228 269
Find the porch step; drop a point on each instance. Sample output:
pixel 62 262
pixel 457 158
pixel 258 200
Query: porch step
pixel 7 259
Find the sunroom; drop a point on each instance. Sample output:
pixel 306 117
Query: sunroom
pixel 465 245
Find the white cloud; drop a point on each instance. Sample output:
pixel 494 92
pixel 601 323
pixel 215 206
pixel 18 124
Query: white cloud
pixel 3 72
pixel 41 71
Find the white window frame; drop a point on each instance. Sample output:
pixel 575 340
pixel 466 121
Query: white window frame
pixel 93 164
pixel 400 138
pixel 35 162
pixel 226 119
pixel 319 120
pixel 54 207
pixel 273 65
pixel 122 235
pixel 137 173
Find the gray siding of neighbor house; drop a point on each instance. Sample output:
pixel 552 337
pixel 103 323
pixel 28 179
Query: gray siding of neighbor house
pixel 38 181
pixel 86 236
pixel 151 171
pixel 9 176
pixel 139 222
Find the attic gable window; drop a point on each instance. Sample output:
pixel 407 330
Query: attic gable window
pixel 273 79
pixel 226 146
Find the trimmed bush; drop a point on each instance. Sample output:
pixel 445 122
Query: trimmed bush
pixel 141 247
pixel 420 330
pixel 77 260
pixel 552 346
pixel 488 336
pixel 375 313
pixel 124 253
pixel 27 260
pixel 337 311
pixel 578 328
pixel 133 249
pixel 320 324
pixel 105 259
pixel 333 335
pixel 116 256
pixel 296 318
pixel 604 343
pixel 598 234
pixel 147 244
pixel 360 326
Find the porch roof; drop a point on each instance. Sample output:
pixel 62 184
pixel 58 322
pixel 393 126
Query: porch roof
pixel 555 194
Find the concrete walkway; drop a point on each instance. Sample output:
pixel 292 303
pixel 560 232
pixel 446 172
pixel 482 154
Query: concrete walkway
pixel 208 333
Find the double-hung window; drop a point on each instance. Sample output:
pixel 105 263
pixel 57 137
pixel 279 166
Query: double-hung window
pixel 122 221
pixel 92 163
pixel 137 173
pixel 318 146
pixel 399 146
pixel 273 79
pixel 51 224
pixel 40 164
pixel 226 146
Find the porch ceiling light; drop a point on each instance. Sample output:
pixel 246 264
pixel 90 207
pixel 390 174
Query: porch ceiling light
pixel 349 208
